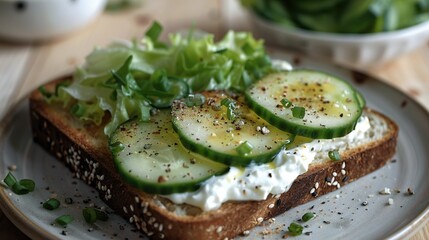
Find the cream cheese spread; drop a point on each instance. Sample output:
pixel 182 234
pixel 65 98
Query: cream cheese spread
pixel 256 182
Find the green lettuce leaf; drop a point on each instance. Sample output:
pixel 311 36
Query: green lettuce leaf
pixel 128 79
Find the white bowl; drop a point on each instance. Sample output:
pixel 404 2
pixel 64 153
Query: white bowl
pixel 37 20
pixel 352 50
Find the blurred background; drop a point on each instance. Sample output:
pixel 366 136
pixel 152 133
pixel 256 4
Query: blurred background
pixel 43 39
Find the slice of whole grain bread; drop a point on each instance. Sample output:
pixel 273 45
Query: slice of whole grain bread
pixel 83 148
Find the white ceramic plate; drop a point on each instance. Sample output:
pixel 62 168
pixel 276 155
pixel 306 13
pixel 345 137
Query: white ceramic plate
pixel 339 214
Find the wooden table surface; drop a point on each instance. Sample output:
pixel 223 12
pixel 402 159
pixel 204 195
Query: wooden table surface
pixel 25 66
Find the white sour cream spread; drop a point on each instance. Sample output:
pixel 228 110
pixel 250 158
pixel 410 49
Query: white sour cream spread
pixel 256 182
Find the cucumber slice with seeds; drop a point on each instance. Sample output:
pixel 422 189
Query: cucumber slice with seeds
pixel 149 156
pixel 332 106
pixel 212 130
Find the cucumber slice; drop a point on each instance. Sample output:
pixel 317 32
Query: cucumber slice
pixel 207 130
pixel 149 156
pixel 332 106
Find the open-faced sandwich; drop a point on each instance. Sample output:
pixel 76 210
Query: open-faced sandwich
pixel 198 139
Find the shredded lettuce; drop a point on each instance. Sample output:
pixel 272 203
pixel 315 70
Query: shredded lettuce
pixel 129 79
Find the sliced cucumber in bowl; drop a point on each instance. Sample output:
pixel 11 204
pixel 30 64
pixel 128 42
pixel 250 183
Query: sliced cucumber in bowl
pixel 149 156
pixel 319 105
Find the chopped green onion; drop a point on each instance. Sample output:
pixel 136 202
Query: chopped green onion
pixel 24 186
pixel 116 147
pixel 295 229
pixel 154 31
pixel 189 101
pixel 51 204
pixel 334 155
pixel 230 104
pixel 101 215
pixel 20 189
pixel 244 148
pixel 227 102
pixel 10 180
pixel 199 99
pixel 44 92
pixel 92 214
pixel 230 114
pixel 298 112
pixel 195 100
pixel 78 110
pixel 28 183
pixel 307 217
pixel 286 103
pixel 89 214
pixel 64 220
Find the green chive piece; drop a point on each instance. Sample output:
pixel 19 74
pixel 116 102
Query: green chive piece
pixel 286 103
pixel 195 100
pixel 101 215
pixel 44 92
pixel 64 220
pixel 24 186
pixel 78 110
pixel 226 102
pixel 199 99
pixel 307 217
pixel 189 101
pixel 230 114
pixel 51 204
pixel 298 112
pixel 154 31
pixel 244 148
pixel 10 180
pixel 117 147
pixel 295 229
pixel 334 155
pixel 20 189
pixel 89 214
pixel 230 104
pixel 28 183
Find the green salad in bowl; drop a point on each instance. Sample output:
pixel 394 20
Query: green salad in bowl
pixel 354 33
pixel 342 16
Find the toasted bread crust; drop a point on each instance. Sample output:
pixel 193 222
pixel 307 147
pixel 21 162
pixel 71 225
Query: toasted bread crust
pixel 83 149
